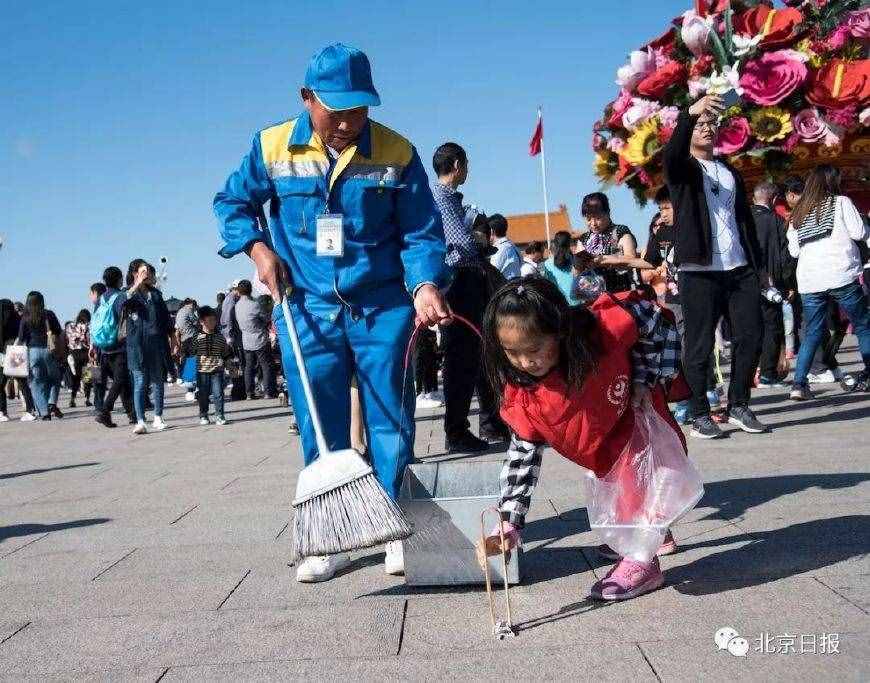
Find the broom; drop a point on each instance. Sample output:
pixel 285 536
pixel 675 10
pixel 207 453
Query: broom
pixel 339 504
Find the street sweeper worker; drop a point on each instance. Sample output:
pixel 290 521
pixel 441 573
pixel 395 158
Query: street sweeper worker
pixel 354 229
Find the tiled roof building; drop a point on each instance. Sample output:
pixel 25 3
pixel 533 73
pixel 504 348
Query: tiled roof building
pixel 527 227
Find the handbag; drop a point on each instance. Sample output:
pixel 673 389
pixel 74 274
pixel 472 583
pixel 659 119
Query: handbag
pixel 15 363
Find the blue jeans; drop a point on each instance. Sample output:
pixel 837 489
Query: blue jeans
pixel 44 378
pixel 815 306
pixel 210 385
pixel 151 371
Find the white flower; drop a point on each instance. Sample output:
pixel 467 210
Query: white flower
pixel 698 87
pixel 640 63
pixel 695 32
pixel 744 45
pixel 728 79
pixel 864 117
pixel 796 55
pixel 641 110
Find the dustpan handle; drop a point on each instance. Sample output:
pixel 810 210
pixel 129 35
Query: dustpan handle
pixel 322 448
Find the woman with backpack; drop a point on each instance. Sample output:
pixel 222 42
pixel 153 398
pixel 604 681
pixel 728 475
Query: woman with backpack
pixel 148 329
pixel 558 268
pixel 41 332
pixel 822 233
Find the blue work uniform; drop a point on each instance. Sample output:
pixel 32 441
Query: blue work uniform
pixel 354 313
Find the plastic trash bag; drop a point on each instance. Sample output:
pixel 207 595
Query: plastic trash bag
pixel 652 485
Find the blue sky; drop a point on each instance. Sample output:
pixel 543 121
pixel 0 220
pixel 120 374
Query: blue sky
pixel 121 120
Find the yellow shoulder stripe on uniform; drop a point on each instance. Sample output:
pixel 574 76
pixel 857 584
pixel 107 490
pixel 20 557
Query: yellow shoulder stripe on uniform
pixel 388 147
pixel 281 162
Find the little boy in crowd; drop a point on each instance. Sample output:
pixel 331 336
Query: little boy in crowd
pixel 211 351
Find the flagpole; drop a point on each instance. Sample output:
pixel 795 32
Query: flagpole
pixel 544 183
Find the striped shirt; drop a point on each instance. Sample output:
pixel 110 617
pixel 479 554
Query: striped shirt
pixel 211 350
pixel 655 358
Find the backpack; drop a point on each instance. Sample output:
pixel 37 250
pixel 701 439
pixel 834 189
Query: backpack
pixel 104 325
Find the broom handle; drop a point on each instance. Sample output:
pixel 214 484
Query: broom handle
pixel 322 448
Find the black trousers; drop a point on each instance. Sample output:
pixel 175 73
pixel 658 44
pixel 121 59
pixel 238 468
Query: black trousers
pixel 463 359
pixel 706 297
pixel 263 358
pixel 116 363
pixel 772 340
pixel 426 362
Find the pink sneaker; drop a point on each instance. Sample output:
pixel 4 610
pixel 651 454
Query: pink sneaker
pixel 668 547
pixel 628 579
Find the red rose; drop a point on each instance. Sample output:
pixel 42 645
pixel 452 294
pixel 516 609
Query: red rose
pixel 701 66
pixel 657 83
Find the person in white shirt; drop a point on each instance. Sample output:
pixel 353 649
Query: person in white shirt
pixel 532 259
pixel 507 257
pixel 822 234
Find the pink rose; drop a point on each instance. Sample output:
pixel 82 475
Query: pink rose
pixel 833 135
pixel 640 110
pixel 858 23
pixel 620 106
pixel 838 38
pixel 809 126
pixel 733 136
pixel 640 63
pixel 769 79
pixel 790 142
pixel 668 116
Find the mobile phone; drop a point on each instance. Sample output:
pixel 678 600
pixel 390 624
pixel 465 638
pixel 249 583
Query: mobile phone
pixel 730 98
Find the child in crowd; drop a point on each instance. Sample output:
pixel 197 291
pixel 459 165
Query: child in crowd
pixel 572 377
pixel 211 351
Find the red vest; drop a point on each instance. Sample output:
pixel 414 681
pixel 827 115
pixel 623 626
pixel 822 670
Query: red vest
pixel 590 425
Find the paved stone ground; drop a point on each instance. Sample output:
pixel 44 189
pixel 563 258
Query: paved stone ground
pixel 165 557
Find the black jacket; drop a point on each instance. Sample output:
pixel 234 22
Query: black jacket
pixel 772 241
pixel 685 181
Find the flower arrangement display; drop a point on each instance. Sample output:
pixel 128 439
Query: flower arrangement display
pixel 800 67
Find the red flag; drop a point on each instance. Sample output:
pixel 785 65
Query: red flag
pixel 537 138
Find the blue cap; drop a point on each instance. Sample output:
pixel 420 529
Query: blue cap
pixel 341 77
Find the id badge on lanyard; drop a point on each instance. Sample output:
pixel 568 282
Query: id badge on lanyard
pixel 330 235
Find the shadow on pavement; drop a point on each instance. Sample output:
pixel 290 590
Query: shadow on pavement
pixel 772 555
pixel 733 497
pixel 26 473
pixel 15 530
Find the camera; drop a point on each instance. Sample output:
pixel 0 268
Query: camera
pixel 773 295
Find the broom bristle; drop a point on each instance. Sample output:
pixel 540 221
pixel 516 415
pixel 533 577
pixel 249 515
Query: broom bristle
pixel 356 515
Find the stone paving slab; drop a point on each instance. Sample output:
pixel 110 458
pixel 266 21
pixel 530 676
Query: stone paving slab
pixel 97 582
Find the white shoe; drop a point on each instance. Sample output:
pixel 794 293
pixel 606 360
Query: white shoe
pixel 321 567
pixel 28 417
pixel 3 417
pixel 394 563
pixel 158 425
pixel 423 401
pixel 190 396
pixel 204 421
pixel 220 422
pixel 826 377
pixel 140 428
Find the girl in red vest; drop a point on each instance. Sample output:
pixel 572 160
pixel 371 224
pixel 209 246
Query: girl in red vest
pixel 571 377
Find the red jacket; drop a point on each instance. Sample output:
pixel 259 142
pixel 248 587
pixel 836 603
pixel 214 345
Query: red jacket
pixel 590 425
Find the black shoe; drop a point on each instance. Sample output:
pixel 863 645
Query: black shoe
pixel 88 403
pixel 467 443
pixel 45 418
pixel 801 392
pixel 132 419
pixel 862 381
pixel 105 420
pixel 741 416
pixel 72 403
pixel 54 411
pixel 494 435
pixel 705 428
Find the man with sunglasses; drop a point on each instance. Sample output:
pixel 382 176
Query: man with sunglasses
pixel 718 258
